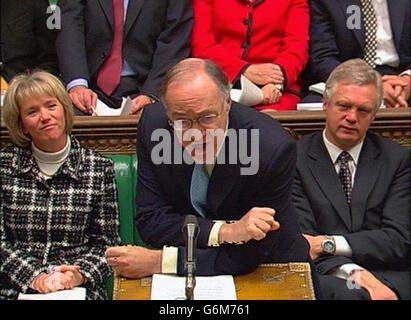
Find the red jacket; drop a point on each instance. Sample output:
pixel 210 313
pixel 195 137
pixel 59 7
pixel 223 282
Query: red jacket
pixel 234 34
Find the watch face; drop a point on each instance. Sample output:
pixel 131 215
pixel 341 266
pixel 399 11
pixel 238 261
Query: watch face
pixel 328 246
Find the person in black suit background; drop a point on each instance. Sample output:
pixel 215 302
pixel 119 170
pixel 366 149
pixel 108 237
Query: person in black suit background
pixel 156 35
pixel 263 226
pixel 26 42
pixel 355 212
pixel 337 33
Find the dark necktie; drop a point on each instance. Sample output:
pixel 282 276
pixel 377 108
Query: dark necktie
pixel 199 188
pixel 108 77
pixel 370 26
pixel 345 175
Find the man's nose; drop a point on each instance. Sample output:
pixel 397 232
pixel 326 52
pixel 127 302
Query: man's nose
pixel 352 116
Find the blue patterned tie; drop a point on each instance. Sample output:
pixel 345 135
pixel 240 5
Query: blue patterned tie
pixel 345 175
pixel 198 189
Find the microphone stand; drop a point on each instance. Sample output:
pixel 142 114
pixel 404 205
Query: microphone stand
pixel 190 280
pixel 190 230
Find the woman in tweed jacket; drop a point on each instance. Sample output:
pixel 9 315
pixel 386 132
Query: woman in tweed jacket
pixel 58 199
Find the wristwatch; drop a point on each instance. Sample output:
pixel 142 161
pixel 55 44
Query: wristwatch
pixel 328 245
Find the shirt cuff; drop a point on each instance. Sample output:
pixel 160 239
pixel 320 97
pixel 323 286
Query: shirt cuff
pixel 215 230
pixel 342 248
pixel 77 82
pixel 169 260
pixel 406 73
pixel 345 271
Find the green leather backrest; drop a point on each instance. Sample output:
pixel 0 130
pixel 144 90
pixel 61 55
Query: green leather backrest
pixel 126 177
pixel 125 181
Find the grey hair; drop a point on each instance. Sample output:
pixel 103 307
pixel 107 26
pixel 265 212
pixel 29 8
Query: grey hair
pixel 354 71
pixel 188 69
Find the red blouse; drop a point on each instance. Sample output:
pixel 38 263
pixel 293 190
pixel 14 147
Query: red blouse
pixel 235 33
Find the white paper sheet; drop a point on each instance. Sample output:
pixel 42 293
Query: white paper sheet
pixel 77 293
pixel 167 287
pixel 318 87
pixel 103 110
pixel 249 94
pixel 311 106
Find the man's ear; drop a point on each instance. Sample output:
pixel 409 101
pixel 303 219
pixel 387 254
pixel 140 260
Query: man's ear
pixel 228 102
pixel 325 105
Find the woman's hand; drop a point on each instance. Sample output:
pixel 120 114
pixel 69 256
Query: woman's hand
pixel 271 94
pixel 264 73
pixel 62 278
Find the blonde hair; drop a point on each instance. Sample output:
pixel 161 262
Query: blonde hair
pixel 31 85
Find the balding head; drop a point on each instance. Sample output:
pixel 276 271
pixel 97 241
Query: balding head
pixel 188 70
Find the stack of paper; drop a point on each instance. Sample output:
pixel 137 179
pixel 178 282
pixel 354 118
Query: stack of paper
pixel 166 287
pixel 77 293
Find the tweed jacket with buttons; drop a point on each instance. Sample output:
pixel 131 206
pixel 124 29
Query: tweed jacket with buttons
pixel 70 218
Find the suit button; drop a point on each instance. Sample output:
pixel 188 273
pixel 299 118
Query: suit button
pixel 244 45
pixel 103 55
pixel 246 22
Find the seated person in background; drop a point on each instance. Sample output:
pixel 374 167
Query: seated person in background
pixel 26 42
pixel 214 185
pixel 343 30
pixel 58 201
pixel 352 194
pixel 110 49
pixel 264 40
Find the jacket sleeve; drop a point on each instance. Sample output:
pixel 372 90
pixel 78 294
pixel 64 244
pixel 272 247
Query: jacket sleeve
pixel 294 53
pixel 324 51
pixel 172 45
pixel 389 246
pixel 205 44
pixel 284 245
pixel 19 267
pixel 71 43
pixel 103 232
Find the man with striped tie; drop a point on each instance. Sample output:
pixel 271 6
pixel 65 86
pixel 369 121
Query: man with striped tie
pixel 352 194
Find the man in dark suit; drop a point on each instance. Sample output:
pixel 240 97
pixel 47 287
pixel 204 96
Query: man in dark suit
pixel 26 42
pixel 338 33
pixel 352 194
pixel 155 35
pixel 245 216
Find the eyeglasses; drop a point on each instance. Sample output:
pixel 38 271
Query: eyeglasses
pixel 207 121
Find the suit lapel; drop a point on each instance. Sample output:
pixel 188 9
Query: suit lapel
pixel 396 9
pixel 225 175
pixel 368 170
pixel 324 173
pixel 107 6
pixel 181 172
pixel 222 181
pixel 133 10
pixel 358 32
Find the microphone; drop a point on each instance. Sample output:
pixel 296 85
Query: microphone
pixel 190 231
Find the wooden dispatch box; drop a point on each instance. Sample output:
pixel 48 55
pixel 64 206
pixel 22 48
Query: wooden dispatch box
pixel 280 281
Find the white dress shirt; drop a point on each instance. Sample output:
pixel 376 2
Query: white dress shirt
pixel 386 52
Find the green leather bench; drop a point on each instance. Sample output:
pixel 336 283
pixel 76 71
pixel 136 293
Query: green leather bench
pixel 125 167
